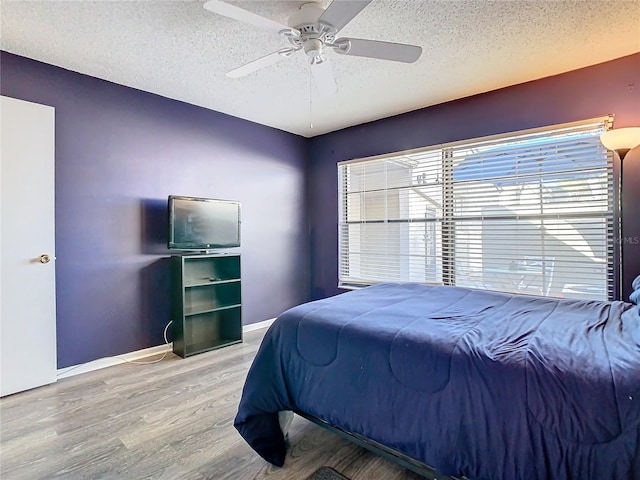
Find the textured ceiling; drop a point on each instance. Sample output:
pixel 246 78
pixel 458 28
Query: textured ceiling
pixel 179 50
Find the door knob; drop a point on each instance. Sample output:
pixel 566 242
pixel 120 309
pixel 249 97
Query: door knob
pixel 44 258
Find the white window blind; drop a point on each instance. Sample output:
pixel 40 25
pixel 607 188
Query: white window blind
pixel 531 212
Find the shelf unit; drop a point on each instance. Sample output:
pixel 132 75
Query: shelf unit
pixel 207 302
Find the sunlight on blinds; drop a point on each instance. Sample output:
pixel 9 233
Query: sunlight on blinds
pixel 529 213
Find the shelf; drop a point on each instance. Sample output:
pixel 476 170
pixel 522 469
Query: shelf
pixel 211 297
pixel 209 330
pixel 204 282
pixel 215 269
pixel 196 311
pixel 201 347
pixel 207 302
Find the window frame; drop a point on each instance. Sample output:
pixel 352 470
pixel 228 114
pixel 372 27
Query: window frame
pixel 448 255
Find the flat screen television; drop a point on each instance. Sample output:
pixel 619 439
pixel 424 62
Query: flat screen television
pixel 197 223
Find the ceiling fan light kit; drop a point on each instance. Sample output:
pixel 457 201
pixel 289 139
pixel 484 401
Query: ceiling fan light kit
pixel 312 29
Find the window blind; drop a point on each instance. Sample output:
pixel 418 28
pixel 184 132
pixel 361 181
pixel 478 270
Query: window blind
pixel 531 212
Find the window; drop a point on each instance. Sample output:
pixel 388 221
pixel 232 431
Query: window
pixel 531 212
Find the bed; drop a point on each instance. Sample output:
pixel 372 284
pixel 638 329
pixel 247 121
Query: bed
pixel 462 383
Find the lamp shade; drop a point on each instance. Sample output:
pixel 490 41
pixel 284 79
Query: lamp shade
pixel 621 139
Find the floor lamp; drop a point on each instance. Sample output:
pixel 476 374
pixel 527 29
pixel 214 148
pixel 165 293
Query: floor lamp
pixel 621 141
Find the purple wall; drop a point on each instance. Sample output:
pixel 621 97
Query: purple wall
pixel 612 87
pixel 119 153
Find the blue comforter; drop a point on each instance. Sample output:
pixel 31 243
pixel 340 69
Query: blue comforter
pixel 483 384
pixel 635 295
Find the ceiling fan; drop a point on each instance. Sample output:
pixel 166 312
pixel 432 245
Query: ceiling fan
pixel 313 29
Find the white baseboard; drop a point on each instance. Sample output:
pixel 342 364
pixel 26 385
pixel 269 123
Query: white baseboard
pixel 257 326
pixel 111 361
pixel 137 355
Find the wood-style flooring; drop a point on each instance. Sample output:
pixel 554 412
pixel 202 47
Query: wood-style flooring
pixel 168 420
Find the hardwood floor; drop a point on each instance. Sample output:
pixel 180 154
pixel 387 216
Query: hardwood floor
pixel 168 420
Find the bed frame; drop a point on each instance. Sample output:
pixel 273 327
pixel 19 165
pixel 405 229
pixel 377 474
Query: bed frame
pixel 380 449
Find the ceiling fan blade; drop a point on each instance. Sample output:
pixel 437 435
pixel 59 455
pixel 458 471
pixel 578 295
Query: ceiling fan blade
pixel 242 15
pixel 322 74
pixel 260 63
pixel 341 12
pixel 358 47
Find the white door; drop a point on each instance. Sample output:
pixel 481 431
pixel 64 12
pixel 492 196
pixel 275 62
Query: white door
pixel 27 246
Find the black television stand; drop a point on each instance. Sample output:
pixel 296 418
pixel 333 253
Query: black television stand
pixel 206 302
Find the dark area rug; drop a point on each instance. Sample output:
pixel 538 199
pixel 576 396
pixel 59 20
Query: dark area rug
pixel 326 473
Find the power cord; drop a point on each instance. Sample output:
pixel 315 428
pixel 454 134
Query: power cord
pixel 151 361
pixel 166 341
